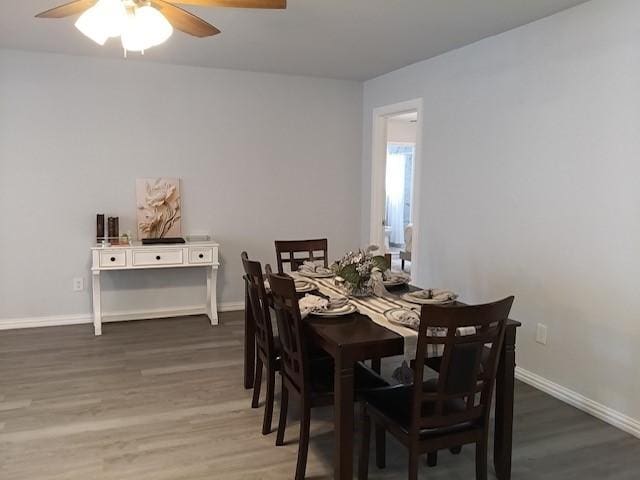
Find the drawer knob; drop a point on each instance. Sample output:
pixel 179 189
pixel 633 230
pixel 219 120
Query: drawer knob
pixel 201 255
pixel 113 259
pixel 157 257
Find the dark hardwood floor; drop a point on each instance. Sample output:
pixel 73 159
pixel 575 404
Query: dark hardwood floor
pixel 163 399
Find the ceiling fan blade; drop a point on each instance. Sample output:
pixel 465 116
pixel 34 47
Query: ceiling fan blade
pixel 184 21
pixel 68 9
pixel 234 3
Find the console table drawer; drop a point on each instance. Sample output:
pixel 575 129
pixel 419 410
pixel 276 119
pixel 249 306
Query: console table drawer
pixel 146 258
pixel 201 255
pixel 113 259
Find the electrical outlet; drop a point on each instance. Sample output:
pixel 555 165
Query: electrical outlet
pixel 541 334
pixel 78 284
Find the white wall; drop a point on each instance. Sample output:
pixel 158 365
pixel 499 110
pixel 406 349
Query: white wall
pixel 530 186
pixel 261 157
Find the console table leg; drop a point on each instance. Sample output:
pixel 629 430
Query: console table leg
pixel 97 307
pixel 212 303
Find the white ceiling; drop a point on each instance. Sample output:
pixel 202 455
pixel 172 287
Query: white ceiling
pixel 352 39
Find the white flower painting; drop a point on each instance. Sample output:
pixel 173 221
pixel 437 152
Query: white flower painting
pixel 159 209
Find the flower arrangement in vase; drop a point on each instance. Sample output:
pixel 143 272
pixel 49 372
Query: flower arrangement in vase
pixel 354 271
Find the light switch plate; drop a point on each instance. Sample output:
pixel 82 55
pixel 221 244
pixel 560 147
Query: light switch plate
pixel 541 334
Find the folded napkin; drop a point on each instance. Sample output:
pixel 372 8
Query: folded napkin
pixel 408 318
pixel 443 295
pixel 425 294
pixel 463 331
pixel 312 303
pixel 313 267
pixel 390 276
pixel 460 331
pixel 435 294
pixel 378 284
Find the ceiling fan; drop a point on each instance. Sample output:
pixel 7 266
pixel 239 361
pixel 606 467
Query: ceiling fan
pixel 142 24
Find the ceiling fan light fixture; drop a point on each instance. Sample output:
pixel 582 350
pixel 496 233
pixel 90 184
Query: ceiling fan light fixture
pixel 143 24
pixel 104 20
pixel 146 27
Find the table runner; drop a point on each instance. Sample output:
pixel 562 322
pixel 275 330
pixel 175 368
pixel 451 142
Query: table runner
pixel 374 308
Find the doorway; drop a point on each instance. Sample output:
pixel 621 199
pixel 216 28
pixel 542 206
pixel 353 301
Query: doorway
pixel 394 199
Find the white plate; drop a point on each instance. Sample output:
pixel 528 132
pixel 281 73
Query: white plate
pixel 395 316
pixel 347 309
pixel 423 301
pixel 316 275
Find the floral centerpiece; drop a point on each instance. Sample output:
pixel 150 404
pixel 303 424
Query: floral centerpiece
pixel 354 271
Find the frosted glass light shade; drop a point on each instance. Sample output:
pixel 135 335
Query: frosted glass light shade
pixel 146 27
pixel 90 24
pixel 104 20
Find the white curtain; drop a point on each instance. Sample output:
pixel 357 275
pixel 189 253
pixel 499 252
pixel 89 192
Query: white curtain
pixel 395 196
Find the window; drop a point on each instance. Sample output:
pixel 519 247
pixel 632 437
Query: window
pixel 398 185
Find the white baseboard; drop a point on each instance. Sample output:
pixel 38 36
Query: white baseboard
pixel 151 314
pixel 231 307
pixel 598 410
pixel 44 321
pixel 60 320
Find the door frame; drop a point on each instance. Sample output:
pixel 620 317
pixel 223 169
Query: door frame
pixel 379 170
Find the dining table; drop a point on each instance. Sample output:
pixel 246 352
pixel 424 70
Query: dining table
pixel 366 335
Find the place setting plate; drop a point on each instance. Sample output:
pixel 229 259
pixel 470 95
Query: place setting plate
pixel 341 311
pixel 316 274
pixel 403 317
pixel 430 297
pixel 396 280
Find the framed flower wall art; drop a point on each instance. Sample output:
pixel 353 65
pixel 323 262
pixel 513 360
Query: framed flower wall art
pixel 159 207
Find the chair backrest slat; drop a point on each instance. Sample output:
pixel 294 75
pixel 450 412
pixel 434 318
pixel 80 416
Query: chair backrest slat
pixel 259 304
pixel 468 367
pixel 290 325
pixel 296 252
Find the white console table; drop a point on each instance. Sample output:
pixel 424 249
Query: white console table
pixel 137 257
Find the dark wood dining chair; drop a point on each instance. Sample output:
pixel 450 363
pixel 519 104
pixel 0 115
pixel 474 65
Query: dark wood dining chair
pixel 296 252
pixel 309 379
pixel 267 346
pixel 453 409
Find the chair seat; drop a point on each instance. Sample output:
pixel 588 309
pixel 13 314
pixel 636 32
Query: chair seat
pixel 394 403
